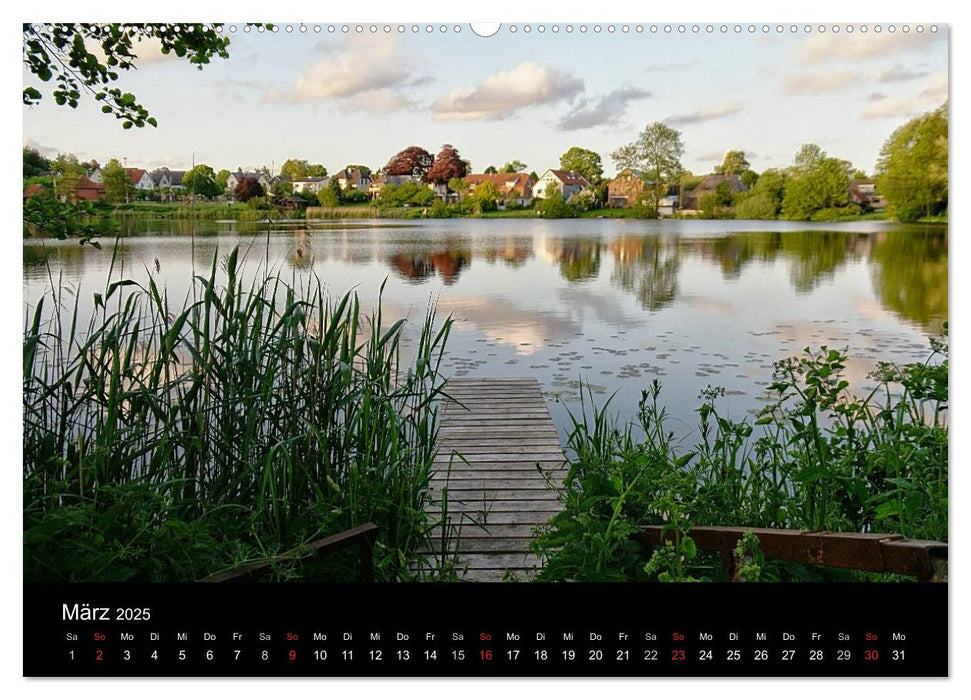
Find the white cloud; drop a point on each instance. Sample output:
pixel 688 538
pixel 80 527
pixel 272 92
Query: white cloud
pixel 927 98
pixel 821 48
pixel 383 100
pixel 361 65
pixel 811 83
pixel 706 114
pixel 46 151
pixel 899 73
pixel 502 94
pixel 609 109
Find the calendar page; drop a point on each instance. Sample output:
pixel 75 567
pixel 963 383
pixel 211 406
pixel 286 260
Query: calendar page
pixel 526 349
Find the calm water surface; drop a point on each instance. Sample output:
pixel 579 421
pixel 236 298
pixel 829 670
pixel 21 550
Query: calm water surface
pixel 614 304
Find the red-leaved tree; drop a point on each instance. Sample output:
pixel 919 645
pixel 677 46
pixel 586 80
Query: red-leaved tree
pixel 247 188
pixel 414 161
pixel 448 165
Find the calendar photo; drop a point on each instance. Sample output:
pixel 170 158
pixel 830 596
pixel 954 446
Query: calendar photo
pixel 515 304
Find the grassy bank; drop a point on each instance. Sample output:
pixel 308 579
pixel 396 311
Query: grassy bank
pixel 168 439
pixel 816 458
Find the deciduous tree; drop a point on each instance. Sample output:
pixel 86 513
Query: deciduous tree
pixel 657 153
pixel 448 165
pixel 912 169
pixel 735 163
pixel 816 181
pixel 247 188
pixel 116 181
pixel 201 180
pixel 583 161
pixel 413 161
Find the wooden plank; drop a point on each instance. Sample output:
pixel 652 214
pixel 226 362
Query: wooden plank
pixel 498 465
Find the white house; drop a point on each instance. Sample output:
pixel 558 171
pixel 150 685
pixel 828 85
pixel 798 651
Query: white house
pixel 310 184
pixel 95 176
pixel 140 179
pixel 234 179
pixel 567 182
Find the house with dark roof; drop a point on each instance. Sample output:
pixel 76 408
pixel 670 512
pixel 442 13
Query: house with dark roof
pixel 233 180
pixel 567 182
pixel 165 179
pixel 863 193
pixel 691 199
pixel 353 178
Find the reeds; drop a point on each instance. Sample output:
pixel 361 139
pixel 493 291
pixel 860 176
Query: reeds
pixel 239 421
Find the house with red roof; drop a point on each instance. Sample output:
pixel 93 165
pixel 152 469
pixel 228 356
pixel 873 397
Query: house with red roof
pixel 567 182
pixel 517 185
pixel 140 179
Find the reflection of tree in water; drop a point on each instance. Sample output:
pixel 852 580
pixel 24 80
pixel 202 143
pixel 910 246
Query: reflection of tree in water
pixel 418 267
pixel 734 253
pixel 910 274
pixel 301 254
pixel 647 266
pixel 579 259
pixel 815 255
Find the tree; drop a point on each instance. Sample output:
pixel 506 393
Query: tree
pixel 583 161
pixel 764 199
pixel 35 163
pixel 657 153
pixel 816 181
pixel 91 165
pixel 67 173
pixel 735 163
pixel 448 165
pixel 749 178
pixel 201 180
pixel 414 161
pixel 491 170
pixel 911 172
pixel 247 188
pixel 486 194
pixel 222 178
pixel 116 181
pixel 459 186
pixel 281 188
pixel 297 169
pixel 338 194
pixel 87 57
pixel 514 166
pixel 553 206
pixel 723 194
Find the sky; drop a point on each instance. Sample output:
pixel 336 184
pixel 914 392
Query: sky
pixel 337 98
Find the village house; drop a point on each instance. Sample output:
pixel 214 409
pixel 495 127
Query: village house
pixel 85 190
pixel 34 190
pixel 511 185
pixel 374 189
pixel 96 176
pixel 140 179
pixel 568 183
pixel 233 180
pixel 352 178
pixel 166 179
pixel 691 199
pixel 625 189
pixel 310 184
pixel 863 193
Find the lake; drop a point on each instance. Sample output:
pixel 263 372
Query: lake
pixel 613 304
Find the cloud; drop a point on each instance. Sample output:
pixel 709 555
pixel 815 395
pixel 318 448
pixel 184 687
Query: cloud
pixel 877 96
pixel 500 95
pixel 609 109
pixel 384 100
pixel 936 92
pixel 356 67
pixel 46 151
pixel 703 115
pixel 272 97
pixel 675 65
pixel 147 51
pixel 890 107
pixel 811 83
pixel 927 98
pixel 899 73
pixel 821 48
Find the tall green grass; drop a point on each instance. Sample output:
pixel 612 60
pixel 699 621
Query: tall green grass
pixel 168 439
pixel 815 458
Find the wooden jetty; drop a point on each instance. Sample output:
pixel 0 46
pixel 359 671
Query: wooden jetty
pixel 500 453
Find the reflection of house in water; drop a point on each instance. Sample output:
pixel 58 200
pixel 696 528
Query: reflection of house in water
pixel 648 266
pixel 418 267
pixel 512 252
